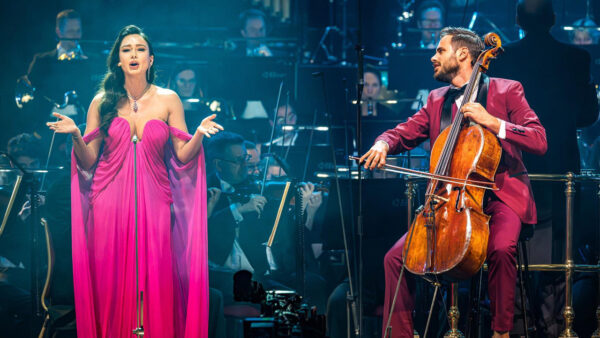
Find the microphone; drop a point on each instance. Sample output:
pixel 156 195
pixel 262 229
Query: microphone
pixel 134 139
pixel 369 107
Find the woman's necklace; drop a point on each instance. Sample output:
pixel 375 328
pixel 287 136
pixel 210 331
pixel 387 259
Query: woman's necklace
pixel 135 99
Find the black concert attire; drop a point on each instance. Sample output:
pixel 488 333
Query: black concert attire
pixel 52 78
pixel 15 273
pixel 238 243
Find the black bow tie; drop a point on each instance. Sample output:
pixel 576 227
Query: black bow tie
pixel 453 93
pixel 450 97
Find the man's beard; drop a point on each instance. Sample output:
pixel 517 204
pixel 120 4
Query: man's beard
pixel 447 73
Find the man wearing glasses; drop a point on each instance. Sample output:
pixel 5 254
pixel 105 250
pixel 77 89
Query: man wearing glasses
pixel 236 230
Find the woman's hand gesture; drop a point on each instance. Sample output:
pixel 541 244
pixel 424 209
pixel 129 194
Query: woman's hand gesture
pixel 64 125
pixel 209 127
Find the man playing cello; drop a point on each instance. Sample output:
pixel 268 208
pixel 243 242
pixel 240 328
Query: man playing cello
pixel 503 110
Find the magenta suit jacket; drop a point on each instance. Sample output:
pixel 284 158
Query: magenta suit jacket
pixel 506 101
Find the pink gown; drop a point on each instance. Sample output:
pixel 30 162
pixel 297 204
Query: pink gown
pixel 172 240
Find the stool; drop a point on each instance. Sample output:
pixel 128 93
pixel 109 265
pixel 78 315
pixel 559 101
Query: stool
pixel 527 231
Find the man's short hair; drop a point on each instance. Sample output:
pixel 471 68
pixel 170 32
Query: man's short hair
pixel 536 15
pixel 24 145
pixel 65 15
pixel 219 143
pixel 249 145
pixel 462 37
pixel 251 14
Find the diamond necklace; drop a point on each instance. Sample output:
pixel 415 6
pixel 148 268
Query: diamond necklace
pixel 135 100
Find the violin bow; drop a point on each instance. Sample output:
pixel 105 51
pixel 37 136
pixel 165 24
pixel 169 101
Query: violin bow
pixel 281 205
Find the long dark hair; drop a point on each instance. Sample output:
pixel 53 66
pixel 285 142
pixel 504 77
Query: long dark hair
pixel 114 81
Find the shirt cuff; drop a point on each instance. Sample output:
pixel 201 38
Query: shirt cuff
pixel 386 144
pixel 237 215
pixel 502 132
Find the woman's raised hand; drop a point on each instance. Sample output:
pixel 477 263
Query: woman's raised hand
pixel 209 127
pixel 64 125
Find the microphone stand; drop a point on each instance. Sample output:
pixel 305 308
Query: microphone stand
pixel 310 145
pixel 139 296
pixel 351 297
pixel 359 219
pixel 289 145
pixel 69 96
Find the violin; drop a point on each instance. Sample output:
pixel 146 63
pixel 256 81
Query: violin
pixel 273 190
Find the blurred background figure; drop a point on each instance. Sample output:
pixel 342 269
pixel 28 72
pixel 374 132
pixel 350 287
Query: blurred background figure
pixel 253 29
pixel 186 83
pixel 374 95
pixel 15 251
pixel 61 80
pixel 253 163
pixel 430 20
pixel 286 117
pixel 25 149
pixel 581 35
pixel 62 69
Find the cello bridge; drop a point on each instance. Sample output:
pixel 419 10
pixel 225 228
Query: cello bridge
pixel 437 198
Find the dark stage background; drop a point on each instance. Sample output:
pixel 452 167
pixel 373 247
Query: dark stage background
pixel 200 34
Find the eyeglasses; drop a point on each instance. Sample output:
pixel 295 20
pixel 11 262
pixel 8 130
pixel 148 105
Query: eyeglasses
pixel 239 160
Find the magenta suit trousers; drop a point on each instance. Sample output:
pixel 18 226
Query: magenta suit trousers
pixel 505 227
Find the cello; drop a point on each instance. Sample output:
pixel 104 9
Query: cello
pixel 449 235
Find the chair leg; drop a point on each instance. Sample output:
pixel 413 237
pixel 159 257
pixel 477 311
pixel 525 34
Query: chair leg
pixel 474 314
pixel 522 288
pixel 530 296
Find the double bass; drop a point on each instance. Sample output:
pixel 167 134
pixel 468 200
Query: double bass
pixel 449 235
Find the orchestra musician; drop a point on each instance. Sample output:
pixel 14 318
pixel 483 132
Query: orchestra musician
pixel 253 28
pixel 503 110
pixel 236 230
pixel 64 68
pixel 241 222
pixel 430 19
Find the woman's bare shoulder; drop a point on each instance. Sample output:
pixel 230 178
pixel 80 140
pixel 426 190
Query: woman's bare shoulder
pixel 166 92
pixel 98 98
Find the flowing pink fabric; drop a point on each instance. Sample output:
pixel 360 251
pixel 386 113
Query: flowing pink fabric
pixel 172 239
